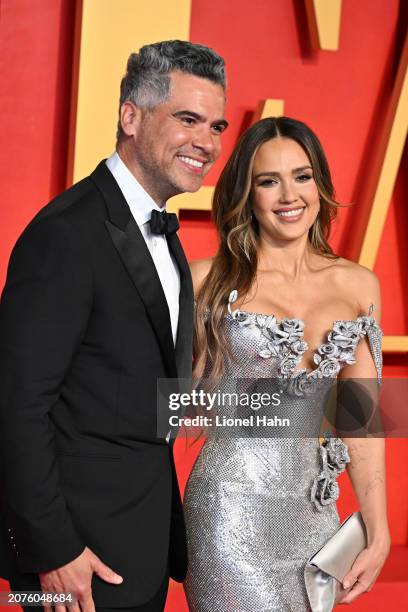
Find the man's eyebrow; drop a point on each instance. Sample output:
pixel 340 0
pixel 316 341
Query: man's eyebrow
pixel 199 117
pixel 300 169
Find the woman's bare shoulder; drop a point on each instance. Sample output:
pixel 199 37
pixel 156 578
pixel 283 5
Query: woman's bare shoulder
pixel 199 271
pixel 361 282
pixel 355 272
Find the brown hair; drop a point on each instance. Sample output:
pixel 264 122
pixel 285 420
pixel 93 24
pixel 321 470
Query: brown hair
pixel 235 264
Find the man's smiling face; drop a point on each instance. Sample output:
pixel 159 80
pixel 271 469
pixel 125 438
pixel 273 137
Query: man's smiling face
pixel 174 146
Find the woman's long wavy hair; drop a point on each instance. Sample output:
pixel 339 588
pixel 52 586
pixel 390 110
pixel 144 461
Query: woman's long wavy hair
pixel 235 264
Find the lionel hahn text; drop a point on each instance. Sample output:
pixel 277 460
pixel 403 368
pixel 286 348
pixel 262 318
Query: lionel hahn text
pixel 253 420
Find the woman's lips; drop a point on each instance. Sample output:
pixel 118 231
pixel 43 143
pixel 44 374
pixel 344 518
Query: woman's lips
pixel 290 215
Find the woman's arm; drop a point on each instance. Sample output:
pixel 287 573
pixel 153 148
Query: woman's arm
pixel 367 456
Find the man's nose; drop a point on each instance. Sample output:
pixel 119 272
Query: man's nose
pixel 207 141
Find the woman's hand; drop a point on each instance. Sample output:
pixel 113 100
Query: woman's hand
pixel 365 570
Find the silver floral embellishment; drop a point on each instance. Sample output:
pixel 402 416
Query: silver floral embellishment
pixel 344 334
pixel 329 367
pixel 334 456
pixel 337 454
pixel 299 347
pixel 364 323
pixel 271 322
pixel 329 349
pixel 288 364
pixel 348 329
pixel 269 349
pixel 242 317
pixel 293 328
pixel 275 334
pixel 325 490
pixel 347 355
pixel 301 383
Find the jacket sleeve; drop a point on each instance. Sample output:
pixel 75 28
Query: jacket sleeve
pixel 43 316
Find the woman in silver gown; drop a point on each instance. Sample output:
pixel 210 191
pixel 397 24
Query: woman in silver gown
pixel 258 505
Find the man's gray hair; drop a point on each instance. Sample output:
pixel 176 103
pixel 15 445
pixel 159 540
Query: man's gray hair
pixel 147 79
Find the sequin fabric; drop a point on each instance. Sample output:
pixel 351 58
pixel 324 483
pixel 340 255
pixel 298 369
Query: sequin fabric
pixel 251 516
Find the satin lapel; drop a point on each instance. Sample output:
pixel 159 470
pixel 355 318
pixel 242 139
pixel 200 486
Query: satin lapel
pixel 184 344
pixel 136 258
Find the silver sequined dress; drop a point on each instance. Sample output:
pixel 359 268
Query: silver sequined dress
pixel 257 508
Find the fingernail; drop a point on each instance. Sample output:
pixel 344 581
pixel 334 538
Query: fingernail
pixel 346 584
pixel 118 578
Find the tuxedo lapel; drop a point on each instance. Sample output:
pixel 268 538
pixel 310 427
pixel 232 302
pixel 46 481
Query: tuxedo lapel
pixel 136 258
pixel 184 348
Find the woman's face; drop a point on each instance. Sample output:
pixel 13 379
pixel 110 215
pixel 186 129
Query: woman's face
pixel 284 195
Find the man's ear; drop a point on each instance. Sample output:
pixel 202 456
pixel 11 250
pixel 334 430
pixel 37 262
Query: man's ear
pixel 130 118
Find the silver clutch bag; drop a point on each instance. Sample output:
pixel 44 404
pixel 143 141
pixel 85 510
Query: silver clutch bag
pixel 325 570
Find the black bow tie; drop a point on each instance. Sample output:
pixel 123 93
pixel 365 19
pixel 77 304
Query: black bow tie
pixel 163 223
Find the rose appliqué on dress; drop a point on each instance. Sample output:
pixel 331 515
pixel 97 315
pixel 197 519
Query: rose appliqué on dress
pixel 334 457
pixel 337 454
pixel 325 490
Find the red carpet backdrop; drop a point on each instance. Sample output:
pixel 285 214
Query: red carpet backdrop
pixel 350 96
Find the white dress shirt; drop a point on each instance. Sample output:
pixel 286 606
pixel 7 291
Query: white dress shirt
pixel 141 206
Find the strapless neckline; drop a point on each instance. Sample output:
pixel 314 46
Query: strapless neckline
pixel 284 338
pixel 281 320
pixel 233 296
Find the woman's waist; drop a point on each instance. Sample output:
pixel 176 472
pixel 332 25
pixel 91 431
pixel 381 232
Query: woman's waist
pixel 257 462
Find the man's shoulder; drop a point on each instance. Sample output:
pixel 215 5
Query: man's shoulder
pixel 82 204
pixel 73 212
pixel 80 199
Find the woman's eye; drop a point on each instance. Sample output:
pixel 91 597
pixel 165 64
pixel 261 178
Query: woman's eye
pixel 267 183
pixel 303 177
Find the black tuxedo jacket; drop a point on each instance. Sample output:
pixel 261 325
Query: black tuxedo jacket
pixel 84 334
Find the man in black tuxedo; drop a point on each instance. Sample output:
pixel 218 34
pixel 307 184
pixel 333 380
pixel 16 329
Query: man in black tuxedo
pixel 97 306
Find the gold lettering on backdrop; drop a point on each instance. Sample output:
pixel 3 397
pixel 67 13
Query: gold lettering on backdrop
pixel 324 20
pixel 269 108
pixel 200 200
pixel 109 32
pixel 381 180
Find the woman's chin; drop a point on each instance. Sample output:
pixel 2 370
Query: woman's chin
pixel 288 235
